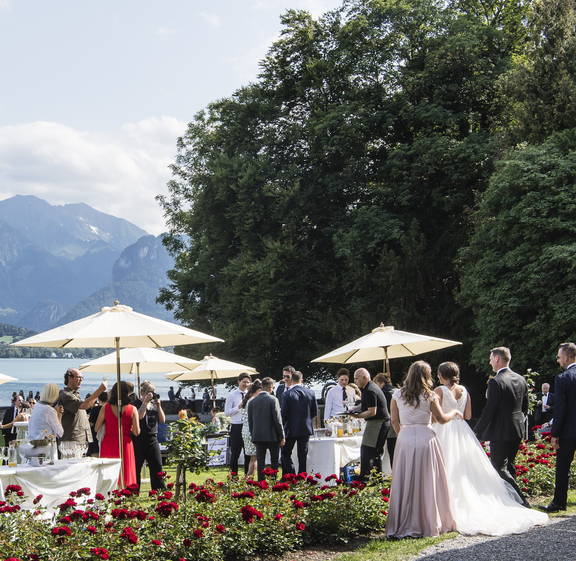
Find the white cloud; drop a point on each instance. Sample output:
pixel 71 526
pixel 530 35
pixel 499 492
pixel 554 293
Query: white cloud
pixel 211 19
pixel 118 172
pixel 164 31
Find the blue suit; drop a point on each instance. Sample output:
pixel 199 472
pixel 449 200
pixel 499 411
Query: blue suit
pixel 564 428
pixel 298 410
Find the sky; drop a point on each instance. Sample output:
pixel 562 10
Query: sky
pixel 94 93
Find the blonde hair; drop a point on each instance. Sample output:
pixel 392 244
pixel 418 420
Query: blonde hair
pixel 50 393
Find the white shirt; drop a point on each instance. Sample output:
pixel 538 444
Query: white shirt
pixel 334 398
pixel 44 421
pixel 232 407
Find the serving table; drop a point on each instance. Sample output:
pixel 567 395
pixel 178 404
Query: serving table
pixel 55 482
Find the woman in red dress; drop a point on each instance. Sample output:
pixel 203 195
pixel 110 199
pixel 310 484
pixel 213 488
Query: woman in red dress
pixel 108 417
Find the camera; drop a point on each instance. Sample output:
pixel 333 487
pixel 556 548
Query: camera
pixel 156 396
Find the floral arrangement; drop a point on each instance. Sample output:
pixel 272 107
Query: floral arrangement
pixel 219 521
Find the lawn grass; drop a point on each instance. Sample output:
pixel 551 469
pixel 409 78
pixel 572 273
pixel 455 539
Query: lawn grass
pixel 217 473
pixel 392 550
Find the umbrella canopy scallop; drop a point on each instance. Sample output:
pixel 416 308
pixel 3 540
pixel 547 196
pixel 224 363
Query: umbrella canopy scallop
pixel 142 360
pixel 384 343
pixel 117 325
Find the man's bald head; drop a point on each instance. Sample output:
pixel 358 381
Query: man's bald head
pixel 361 377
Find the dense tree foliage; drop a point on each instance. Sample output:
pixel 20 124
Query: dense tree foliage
pixel 337 190
pixel 333 193
pixel 520 268
pixel 540 90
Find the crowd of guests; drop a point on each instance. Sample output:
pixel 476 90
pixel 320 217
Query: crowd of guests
pixel 441 478
pixel 93 422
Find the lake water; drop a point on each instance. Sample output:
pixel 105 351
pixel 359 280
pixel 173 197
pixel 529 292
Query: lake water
pixel 33 373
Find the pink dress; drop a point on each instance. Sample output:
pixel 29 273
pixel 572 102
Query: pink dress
pixel 109 446
pixel 420 503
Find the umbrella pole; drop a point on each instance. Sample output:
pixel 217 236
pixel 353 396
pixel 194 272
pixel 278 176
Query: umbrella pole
pixel 138 379
pixel 386 361
pixel 212 384
pixel 119 394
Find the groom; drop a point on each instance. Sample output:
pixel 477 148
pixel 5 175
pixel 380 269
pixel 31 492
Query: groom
pixel 503 420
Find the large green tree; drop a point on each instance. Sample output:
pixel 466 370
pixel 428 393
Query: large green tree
pixel 519 272
pixel 333 193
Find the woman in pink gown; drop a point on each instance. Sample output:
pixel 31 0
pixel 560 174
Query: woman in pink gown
pixel 420 502
pixel 108 417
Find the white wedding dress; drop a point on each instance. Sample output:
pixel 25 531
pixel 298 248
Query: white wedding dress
pixel 482 502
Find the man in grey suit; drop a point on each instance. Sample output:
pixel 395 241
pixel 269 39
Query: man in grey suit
pixel 564 424
pixel 503 420
pixel 265 423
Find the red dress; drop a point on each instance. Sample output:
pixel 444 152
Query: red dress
pixel 109 447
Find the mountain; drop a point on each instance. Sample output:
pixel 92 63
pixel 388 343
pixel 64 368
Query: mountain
pixel 137 276
pixel 68 231
pixel 53 258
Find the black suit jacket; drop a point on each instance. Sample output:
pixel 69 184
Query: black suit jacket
pixel 504 415
pixel 9 435
pixel 541 416
pixel 264 418
pixel 298 410
pixel 564 424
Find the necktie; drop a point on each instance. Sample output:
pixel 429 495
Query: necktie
pixel 344 394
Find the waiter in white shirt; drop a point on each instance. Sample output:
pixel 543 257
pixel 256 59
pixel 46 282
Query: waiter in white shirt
pixel 232 410
pixel 339 395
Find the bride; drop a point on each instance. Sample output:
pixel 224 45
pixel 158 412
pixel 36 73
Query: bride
pixel 482 502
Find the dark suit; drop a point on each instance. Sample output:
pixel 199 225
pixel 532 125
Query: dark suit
pixel 564 428
pixel 541 416
pixel 503 422
pixel 9 414
pixel 298 410
pixel 266 431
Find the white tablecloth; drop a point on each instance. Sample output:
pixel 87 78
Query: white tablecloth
pixel 326 455
pixel 54 482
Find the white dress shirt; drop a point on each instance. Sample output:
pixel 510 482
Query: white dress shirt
pixel 334 400
pixel 232 406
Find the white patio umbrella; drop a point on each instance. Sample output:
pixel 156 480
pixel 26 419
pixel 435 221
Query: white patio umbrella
pixel 117 326
pixel 384 343
pixel 140 360
pixel 5 378
pixel 212 368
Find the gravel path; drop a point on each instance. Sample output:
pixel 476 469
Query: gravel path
pixel 554 541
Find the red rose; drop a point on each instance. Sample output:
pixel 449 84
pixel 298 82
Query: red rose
pixel 300 526
pixel 61 531
pixel 198 533
pixel 220 528
pixel 91 529
pixel 187 542
pixel 278 516
pixel 99 496
pixel 156 542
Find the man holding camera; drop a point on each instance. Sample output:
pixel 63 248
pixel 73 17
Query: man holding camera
pixel 146 445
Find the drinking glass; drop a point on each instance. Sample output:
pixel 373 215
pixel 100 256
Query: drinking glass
pixel 3 454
